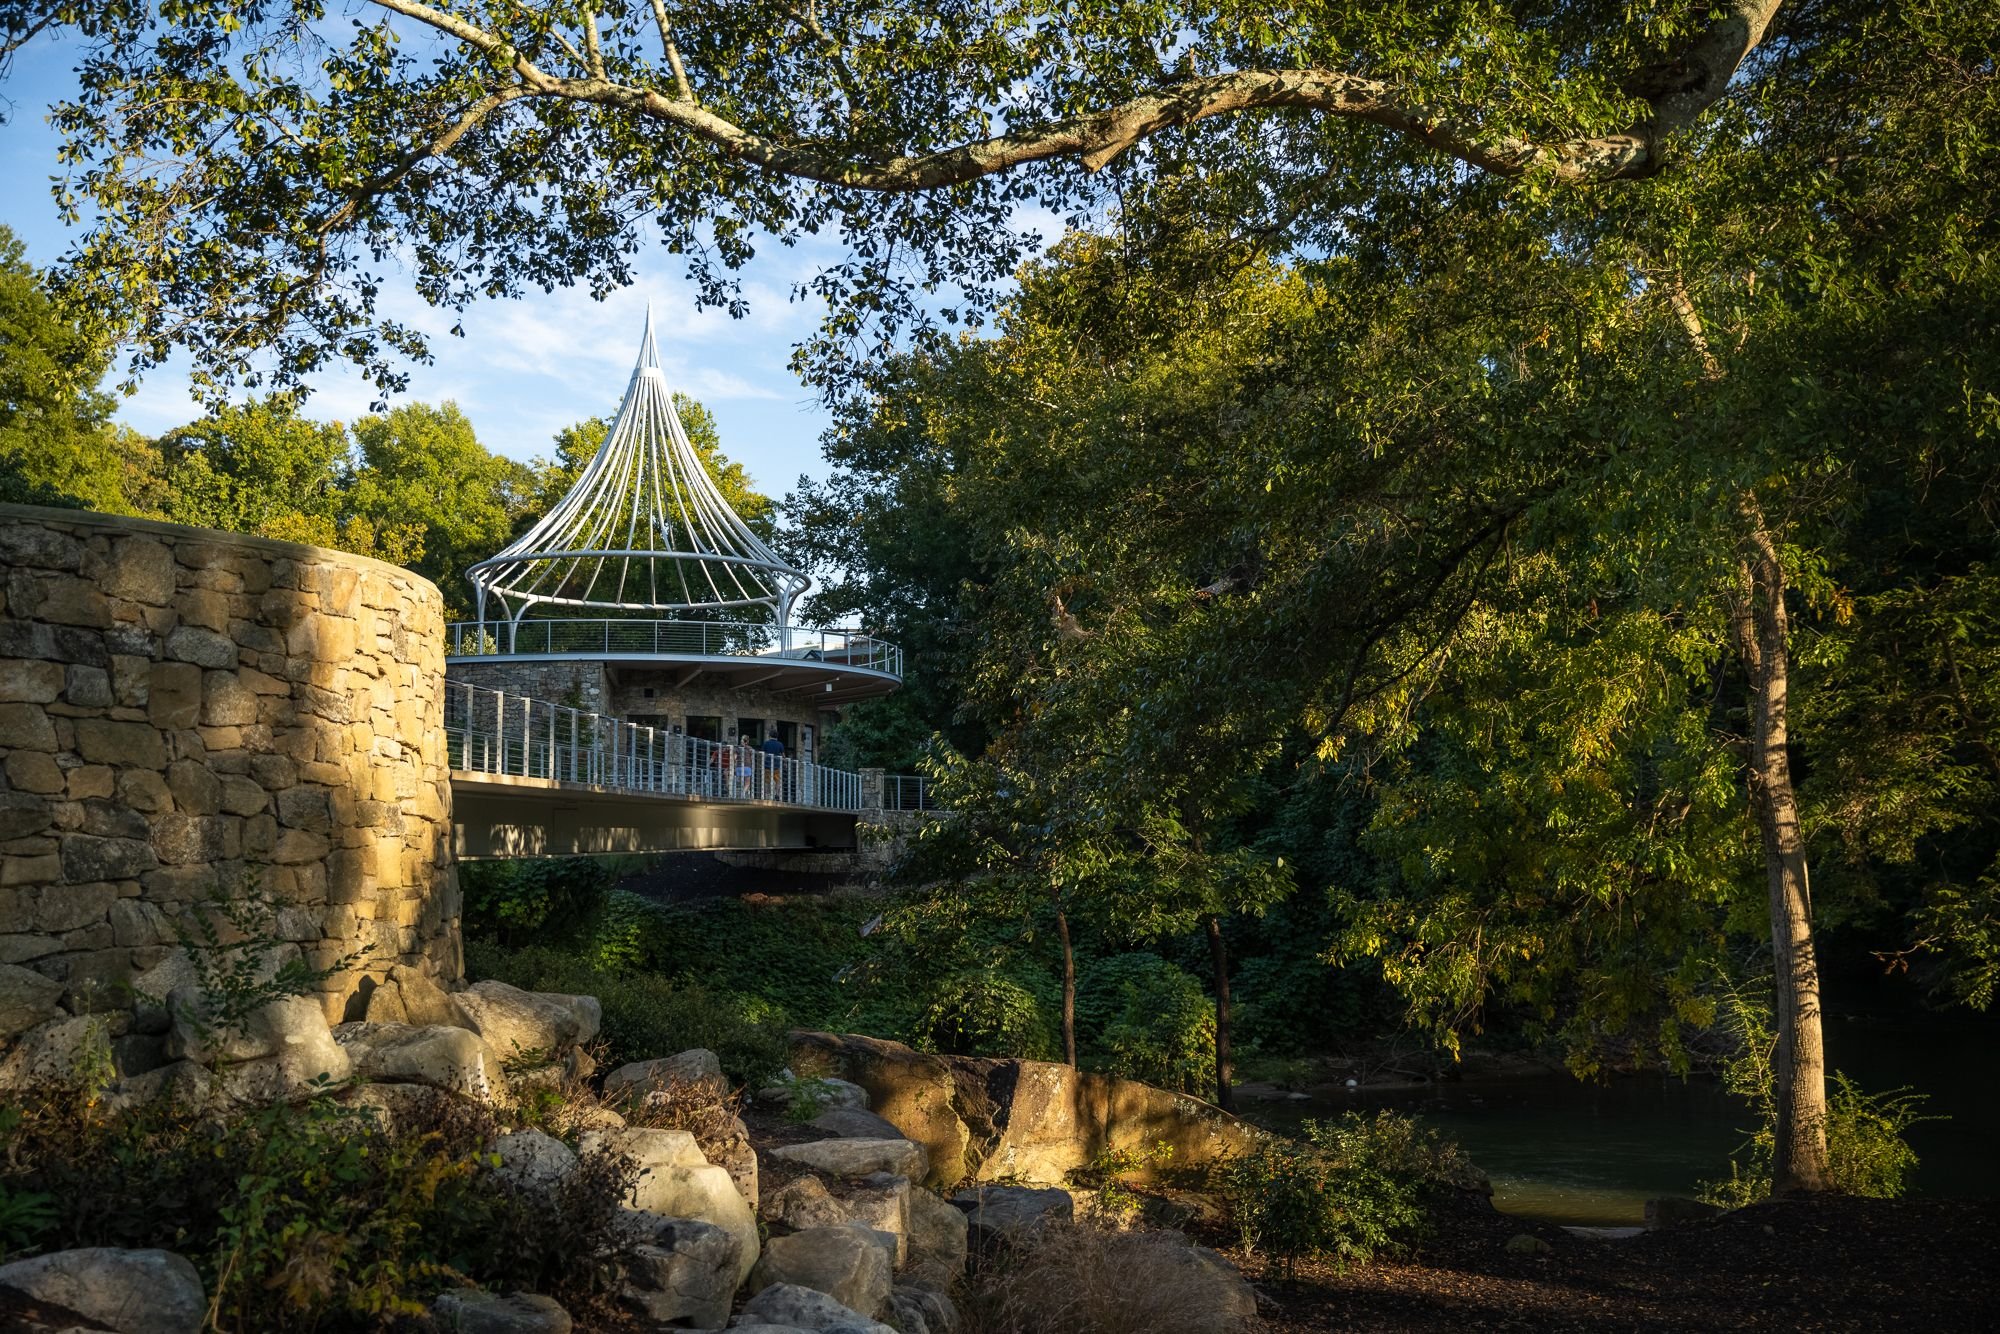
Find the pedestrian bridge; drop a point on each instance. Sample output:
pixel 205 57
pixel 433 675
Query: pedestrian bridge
pixel 532 778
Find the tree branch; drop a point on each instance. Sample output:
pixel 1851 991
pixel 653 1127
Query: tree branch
pixel 681 83
pixel 1699 76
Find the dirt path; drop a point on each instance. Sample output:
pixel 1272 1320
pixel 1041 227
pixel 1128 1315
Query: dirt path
pixel 1838 1264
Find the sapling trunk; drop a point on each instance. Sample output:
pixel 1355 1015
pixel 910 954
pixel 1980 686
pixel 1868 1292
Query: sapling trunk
pixel 1069 990
pixel 1218 954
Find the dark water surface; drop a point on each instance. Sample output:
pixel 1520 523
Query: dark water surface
pixel 1564 1151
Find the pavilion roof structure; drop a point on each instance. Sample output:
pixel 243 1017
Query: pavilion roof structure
pixel 645 529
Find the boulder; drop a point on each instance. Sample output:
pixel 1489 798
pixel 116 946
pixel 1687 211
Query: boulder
pixel 677 1182
pixel 399 1108
pixel 152 988
pixel 922 1310
pixel 519 1024
pixel 410 996
pixel 472 1311
pixel 999 1214
pixel 281 1050
pixel 824 1094
pixel 534 1163
pixel 787 1305
pixel 881 1202
pixel 685 1271
pixel 62 1051
pixel 26 1000
pixel 937 1239
pixel 915 1091
pixel 455 1059
pixel 1227 1305
pixel 848 1262
pixel 854 1123
pixel 735 1155
pixel 1033 1121
pixel 183 1085
pixel 1527 1243
pixel 634 1080
pixel 859 1157
pixel 125 1292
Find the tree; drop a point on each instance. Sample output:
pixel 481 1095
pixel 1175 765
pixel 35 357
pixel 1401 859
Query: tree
pixel 56 446
pixel 422 465
pixel 258 467
pixel 514 147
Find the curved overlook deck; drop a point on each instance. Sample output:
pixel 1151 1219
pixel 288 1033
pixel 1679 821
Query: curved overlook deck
pixel 835 666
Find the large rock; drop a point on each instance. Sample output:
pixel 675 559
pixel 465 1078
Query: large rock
pixel 1006 1213
pixel 821 1095
pixel 410 996
pixel 855 1123
pixel 1226 1304
pixel 992 1120
pixel 455 1059
pixel 677 1182
pixel 937 1239
pixel 183 1086
pixel 915 1091
pixel 789 1306
pixel 62 1051
pixel 859 1157
pixel 686 1271
pixel 26 999
pixel 848 1262
pixel 126 1292
pixel 400 1108
pixel 922 1310
pixel 282 1050
pixel 698 1066
pixel 881 1202
pixel 472 1311
pixel 523 1024
pixel 535 1163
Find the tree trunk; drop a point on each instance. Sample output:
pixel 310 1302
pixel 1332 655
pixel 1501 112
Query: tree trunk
pixel 1799 1063
pixel 1069 990
pixel 1218 954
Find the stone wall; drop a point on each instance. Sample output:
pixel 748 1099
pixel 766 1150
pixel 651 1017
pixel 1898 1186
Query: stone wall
pixel 186 714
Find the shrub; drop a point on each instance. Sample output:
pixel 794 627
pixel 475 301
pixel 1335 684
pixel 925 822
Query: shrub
pixel 646 1016
pixel 1865 1149
pixel 987 1013
pixel 515 899
pixel 1141 1017
pixel 316 1216
pixel 1066 1279
pixel 1353 1188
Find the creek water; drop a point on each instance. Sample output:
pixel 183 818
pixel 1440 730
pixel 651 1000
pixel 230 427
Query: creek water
pixel 1564 1151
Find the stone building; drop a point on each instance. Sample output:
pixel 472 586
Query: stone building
pixel 645 597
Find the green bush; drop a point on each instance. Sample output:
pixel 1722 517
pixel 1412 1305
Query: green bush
pixel 1141 1017
pixel 645 1015
pixel 512 900
pixel 987 1013
pixel 1865 1149
pixel 311 1217
pixel 1353 1188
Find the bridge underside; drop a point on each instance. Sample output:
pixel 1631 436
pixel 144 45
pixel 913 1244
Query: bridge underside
pixel 497 816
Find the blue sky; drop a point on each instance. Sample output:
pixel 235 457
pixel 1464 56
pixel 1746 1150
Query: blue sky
pixel 527 367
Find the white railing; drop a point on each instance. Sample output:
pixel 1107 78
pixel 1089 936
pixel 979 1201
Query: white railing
pixel 491 732
pixel 672 638
pixel 906 792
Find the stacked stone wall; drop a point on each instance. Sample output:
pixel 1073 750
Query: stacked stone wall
pixel 188 714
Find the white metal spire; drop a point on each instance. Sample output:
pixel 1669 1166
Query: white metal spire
pixel 645 528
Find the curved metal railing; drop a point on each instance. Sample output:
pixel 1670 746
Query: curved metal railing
pixel 492 732
pixel 671 638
